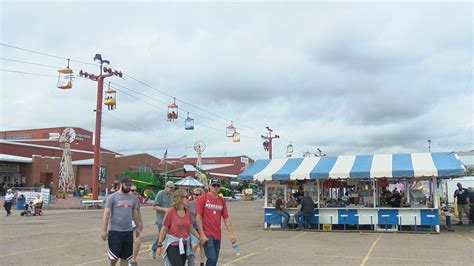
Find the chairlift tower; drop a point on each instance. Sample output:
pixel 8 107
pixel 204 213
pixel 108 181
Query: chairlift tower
pixel 66 174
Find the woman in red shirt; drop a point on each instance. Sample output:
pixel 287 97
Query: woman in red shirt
pixel 174 235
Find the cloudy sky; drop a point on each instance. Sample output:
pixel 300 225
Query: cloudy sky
pixel 347 77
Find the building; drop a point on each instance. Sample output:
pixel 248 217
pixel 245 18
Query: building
pixel 32 157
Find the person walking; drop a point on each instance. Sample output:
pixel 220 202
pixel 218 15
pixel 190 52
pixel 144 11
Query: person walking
pixel 196 242
pixel 120 209
pixel 163 201
pixel 136 240
pixel 210 208
pixel 174 235
pixel 8 202
pixel 462 195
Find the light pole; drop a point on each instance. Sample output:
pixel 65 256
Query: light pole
pixel 98 116
pixel 429 145
pixel 267 144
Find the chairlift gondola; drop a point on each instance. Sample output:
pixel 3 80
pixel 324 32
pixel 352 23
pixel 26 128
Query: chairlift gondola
pixel 236 137
pixel 65 75
pixel 289 150
pixel 230 130
pixel 172 111
pixel 189 123
pixel 110 98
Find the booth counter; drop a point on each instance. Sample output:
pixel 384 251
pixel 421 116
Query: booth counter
pixel 348 191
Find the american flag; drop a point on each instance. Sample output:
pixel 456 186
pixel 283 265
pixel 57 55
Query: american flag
pixel 165 156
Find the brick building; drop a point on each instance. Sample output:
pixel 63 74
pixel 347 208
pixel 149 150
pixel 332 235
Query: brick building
pixel 32 157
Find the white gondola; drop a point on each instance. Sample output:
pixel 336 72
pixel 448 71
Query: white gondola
pixel 65 75
pixel 289 150
pixel 189 123
pixel 230 130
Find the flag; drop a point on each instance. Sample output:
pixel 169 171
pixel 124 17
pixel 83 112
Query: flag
pixel 165 156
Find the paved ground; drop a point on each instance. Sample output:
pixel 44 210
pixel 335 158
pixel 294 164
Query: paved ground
pixel 71 237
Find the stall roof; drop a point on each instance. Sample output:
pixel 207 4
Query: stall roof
pixel 357 166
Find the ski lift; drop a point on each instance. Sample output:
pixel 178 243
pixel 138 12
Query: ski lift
pixel 189 123
pixel 172 111
pixel 266 145
pixel 236 137
pixel 230 130
pixel 289 150
pixel 110 98
pixel 65 75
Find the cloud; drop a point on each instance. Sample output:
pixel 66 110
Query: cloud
pixel 349 78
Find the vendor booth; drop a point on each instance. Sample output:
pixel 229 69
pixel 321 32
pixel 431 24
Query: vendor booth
pixel 363 192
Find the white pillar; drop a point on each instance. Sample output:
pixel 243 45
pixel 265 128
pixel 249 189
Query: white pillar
pixel 434 198
pixel 319 196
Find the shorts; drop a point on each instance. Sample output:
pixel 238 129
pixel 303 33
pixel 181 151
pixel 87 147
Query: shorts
pixel 194 240
pixel 120 245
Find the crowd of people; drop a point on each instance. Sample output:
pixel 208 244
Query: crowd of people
pixel 186 222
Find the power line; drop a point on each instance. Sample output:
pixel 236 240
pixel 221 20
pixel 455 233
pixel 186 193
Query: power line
pixel 27 73
pixel 185 102
pixel 45 54
pixel 29 63
pixel 131 77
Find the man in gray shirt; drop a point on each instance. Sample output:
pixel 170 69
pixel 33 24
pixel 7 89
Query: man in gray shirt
pixel 306 210
pixel 163 201
pixel 120 208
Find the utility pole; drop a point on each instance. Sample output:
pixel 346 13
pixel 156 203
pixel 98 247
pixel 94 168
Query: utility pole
pixel 429 145
pixel 98 116
pixel 267 144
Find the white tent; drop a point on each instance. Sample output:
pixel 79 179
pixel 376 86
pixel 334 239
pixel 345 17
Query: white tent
pixel 189 181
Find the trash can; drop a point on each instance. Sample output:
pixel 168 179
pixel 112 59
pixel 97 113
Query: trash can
pixel 20 204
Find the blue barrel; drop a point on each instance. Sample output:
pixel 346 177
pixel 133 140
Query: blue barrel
pixel 20 204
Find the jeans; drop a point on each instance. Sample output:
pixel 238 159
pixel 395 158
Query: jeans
pixel 286 218
pixel 211 249
pixel 300 218
pixel 153 246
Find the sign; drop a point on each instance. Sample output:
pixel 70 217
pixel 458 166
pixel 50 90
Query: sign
pixel 244 160
pixel 9 168
pixel 82 136
pixel 45 195
pixel 102 174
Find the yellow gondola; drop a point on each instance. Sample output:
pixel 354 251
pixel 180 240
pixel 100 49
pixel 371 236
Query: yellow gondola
pixel 110 98
pixel 236 137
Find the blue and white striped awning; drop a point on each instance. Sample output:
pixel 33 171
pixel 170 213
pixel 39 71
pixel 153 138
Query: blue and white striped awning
pixel 357 166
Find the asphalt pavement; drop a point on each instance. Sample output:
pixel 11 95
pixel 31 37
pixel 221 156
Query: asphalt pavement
pixel 71 237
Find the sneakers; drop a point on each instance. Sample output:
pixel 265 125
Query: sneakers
pixel 152 252
pixel 459 223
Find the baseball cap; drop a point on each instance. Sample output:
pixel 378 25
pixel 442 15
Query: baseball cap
pixel 215 181
pixel 170 184
pixel 125 180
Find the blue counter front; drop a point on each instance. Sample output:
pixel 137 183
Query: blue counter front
pixel 361 216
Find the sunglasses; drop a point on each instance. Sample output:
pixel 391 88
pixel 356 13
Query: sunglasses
pixel 197 194
pixel 216 185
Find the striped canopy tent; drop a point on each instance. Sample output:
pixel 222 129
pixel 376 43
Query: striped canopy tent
pixel 439 164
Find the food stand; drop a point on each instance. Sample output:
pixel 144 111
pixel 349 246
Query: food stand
pixel 352 191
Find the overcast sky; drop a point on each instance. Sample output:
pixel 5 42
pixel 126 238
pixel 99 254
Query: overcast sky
pixel 347 77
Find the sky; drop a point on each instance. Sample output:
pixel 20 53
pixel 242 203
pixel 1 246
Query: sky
pixel 347 77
